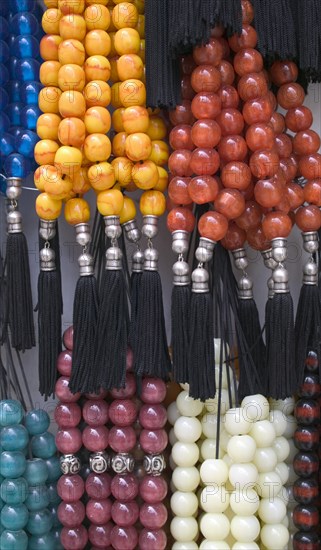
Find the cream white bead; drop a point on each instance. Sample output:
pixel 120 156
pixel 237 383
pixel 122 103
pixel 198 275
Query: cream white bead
pixel 268 485
pixel 214 499
pixel 172 437
pixel 245 502
pixel 278 419
pixel 228 461
pixel 185 454
pixel 184 529
pixel 241 448
pixel 212 405
pixel 272 510
pixel 285 405
pixel 188 406
pixel 224 438
pixel 291 425
pixel 236 422
pixel 214 545
pixel 274 537
pixel 282 469
pixel 263 432
pixel 186 479
pixel 245 528
pixel 243 475
pixel 190 545
pixel 208 448
pixel 283 494
pixel 209 425
pixel 187 429
pixel 256 407
pixel 172 413
pixel 245 546
pixel 282 448
pixel 293 451
pixel 265 459
pixel 184 504
pixel 292 475
pixel 214 471
pixel 214 526
pixel 185 387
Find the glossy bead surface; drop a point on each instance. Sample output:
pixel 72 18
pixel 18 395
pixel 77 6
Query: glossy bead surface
pixel 100 535
pixel 153 441
pixel 298 119
pixel 290 95
pixel 203 189
pixel 206 105
pixel 14 517
pixel 71 514
pixel 14 438
pixel 152 416
pixel 230 203
pixel 43 445
pixel 153 390
pixel 70 488
pixel 264 163
pixel 234 238
pixel 38 498
pixel 232 148
pixel 204 161
pixel 95 438
pixel 11 412
pixel 206 78
pixel 122 440
pixel 12 464
pixel 251 216
pixel 305 490
pixel 152 539
pixel 67 415
pixel 153 489
pixel 180 218
pixel 125 487
pixel 276 224
pixel 39 523
pixel 74 538
pixel 69 441
pixel 308 218
pixel 125 513
pixel 14 540
pixel 63 392
pixel 124 538
pixel 213 225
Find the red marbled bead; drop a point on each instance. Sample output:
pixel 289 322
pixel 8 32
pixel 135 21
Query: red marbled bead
pixel 153 441
pixel 95 439
pixel 98 486
pixel 70 488
pixel 180 137
pixel 124 487
pixel 100 535
pixel 123 412
pixel 124 538
pixel 153 390
pixel 68 338
pixel 98 511
pixel 153 516
pixel 251 216
pixel 298 119
pixel 64 363
pixel 152 417
pixel 178 190
pixel 246 61
pixel 306 464
pixel 310 166
pixel 69 441
pixel 305 490
pixel 257 110
pixel 152 540
pixel 283 72
pixel 278 122
pixel 276 224
pixel 204 162
pixel 182 114
pixel 95 412
pixel 230 121
pixel 308 218
pixel 306 142
pixel 128 391
pixel 122 440
pixel 180 218
pixel 305 518
pixel 247 38
pixel 257 239
pixel 125 513
pixel 71 514
pixel 307 412
pixel 306 541
pixel 153 489
pixel 67 415
pixel 283 144
pixel 252 85
pixel 206 105
pixel 290 95
pixel 306 438
pixel 229 96
pixel 179 163
pixel 234 238
pixel 312 362
pixel 310 386
pixel 210 53
pixel 75 538
pixel 63 392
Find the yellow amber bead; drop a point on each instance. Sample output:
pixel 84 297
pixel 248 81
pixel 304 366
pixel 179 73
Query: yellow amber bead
pixel 97 147
pixel 152 203
pixel 140 5
pixel 49 47
pixel 71 6
pixel 77 211
pixel 72 131
pixel 97 42
pixel 119 144
pixel 128 211
pixel 39 177
pixel 125 15
pixel 71 77
pixel 68 160
pixel 71 51
pixel 102 2
pixel 101 176
pixel 156 128
pixel 48 74
pixel 80 182
pixel 110 202
pixel 127 41
pixel 162 183
pixel 130 65
pixel 97 94
pixel 72 104
pixel 45 151
pixel 135 119
pixel 72 26
pixel 132 92
pixel 97 16
pixel 50 21
pixel 48 99
pixel 159 153
pixel 48 208
pixel 145 174
pixel 123 170
pixel 56 186
pixel 140 27
pixel 115 98
pixel 117 120
pixel 113 51
pixel 114 76
pixel 97 120
pixel 97 67
pixel 47 126
pixel 141 50
pixel 51 3
pixel 138 146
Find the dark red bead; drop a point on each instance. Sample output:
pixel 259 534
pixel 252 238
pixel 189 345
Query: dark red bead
pixel 305 518
pixel 312 362
pixel 306 464
pixel 306 490
pixel 306 541
pixel 306 438
pixel 307 412
pixel 311 386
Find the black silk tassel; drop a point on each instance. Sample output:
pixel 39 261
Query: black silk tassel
pixel 180 313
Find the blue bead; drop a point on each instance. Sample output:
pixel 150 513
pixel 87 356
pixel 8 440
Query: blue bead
pixel 29 92
pixel 53 509
pixel 38 498
pixel 14 491
pixel 11 412
pixel 4 51
pixel 6 145
pixel 29 116
pixel 36 472
pixel 4 123
pixel 54 471
pixel 13 540
pixel 43 445
pixel 14 517
pixel 25 143
pixel 12 65
pixel 53 494
pixel 14 438
pixel 17 6
pixel 37 421
pixel 12 464
pixel 4 74
pixel 24 23
pixel 25 46
pixel 4 98
pixel 4 28
pixel 45 542
pixel 39 523
pixel 28 69
pixel 14 113
pixel 16 166
pixel 56 533
pixel 15 131
pixel 13 89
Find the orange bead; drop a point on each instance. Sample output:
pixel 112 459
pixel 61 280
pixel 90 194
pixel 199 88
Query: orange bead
pixel 48 208
pixel 277 122
pixel 130 66
pixel 308 218
pixel 135 119
pixel 123 170
pixel 127 41
pixel 125 15
pixel 298 119
pixel 268 193
pixel 110 202
pixel 252 85
pixel 162 179
pixel 97 120
pixel 56 186
pixel 80 182
pixel 156 128
pixel 115 99
pixel 235 237
pixel 72 131
pixel 51 3
pixel 49 47
pixel 45 151
pixel 114 76
pixel 50 21
pixel 230 121
pixel 68 160
pixel 48 74
pixel 71 6
pixel 48 99
pixel 97 67
pixel 236 175
pixel 97 42
pixel 71 77
pixel 312 191
pixel 247 39
pixel 140 26
pixel 251 216
pixel 310 166
pixel 159 153
pixel 97 94
pixel 97 147
pixel 102 2
pixel 247 61
pixel 180 218
pixel 72 104
pixel 145 174
pixel 290 96
pixel 206 78
pixel 132 92
pixel 264 164
pixel 178 190
pixel 138 147
pixel 39 177
pixel 47 126
pixel 283 72
pixel 260 136
pixel 152 203
pixel 71 51
pixel 101 176
pixel 77 211
pixel 276 224
pixel 119 144
pixel 213 226
pixel 232 148
pixel 117 120
pixel 128 211
pixel 230 203
pixel 97 16
pixel 72 26
pixel 258 110
pixel 257 239
pixel 306 142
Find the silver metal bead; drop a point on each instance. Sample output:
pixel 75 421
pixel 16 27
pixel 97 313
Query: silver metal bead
pixel 13 190
pixel 86 264
pixel 14 221
pixel 70 464
pixel 83 236
pixel 281 279
pixel 150 226
pixel 113 258
pixel 47 259
pixel 310 273
pixel 200 280
pixel 240 259
pixel 181 273
pixel 270 284
pixel 150 259
pixel 112 227
pixel 180 242
pixel 245 288
pixel 47 229
pixel 154 464
pixel 310 241
pixel 203 255
pixel 268 259
pixel 99 462
pixel 122 463
pixel 132 233
pixel 279 249
pixel 138 261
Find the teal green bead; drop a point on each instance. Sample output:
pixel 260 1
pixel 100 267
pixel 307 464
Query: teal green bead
pixel 36 472
pixel 43 445
pixel 56 534
pixel 38 498
pixel 54 471
pixel 53 509
pixel 53 494
pixel 12 464
pixel 1 504
pixel 13 540
pixel 14 491
pixel 45 542
pixel 14 517
pixel 37 421
pixel 14 438
pixel 11 412
pixel 39 523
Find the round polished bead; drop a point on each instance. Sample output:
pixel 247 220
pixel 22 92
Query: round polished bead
pixel 308 218
pixel 14 491
pixel 63 392
pixel 235 237
pixel 241 475
pixel 95 413
pixel 306 438
pixel 40 522
pixel 307 412
pixel 124 538
pixel 244 502
pixel 43 445
pixel 128 391
pixel 213 225
pixel 180 137
pixel 152 539
pixel 98 486
pixel 125 487
pixel 184 529
pixel 122 412
pixel 302 541
pixel 184 504
pixel 186 479
pixel 95 439
pixel 153 441
pixel 241 448
pixel 64 363
pixel 272 511
pixel 256 110
pixel 152 416
pixel 298 119
pixel 188 429
pixel 53 468
pixel 74 538
pixel 185 454
pixel 214 471
pixel 14 438
pixel 37 421
pixel 153 489
pixel 122 440
pixel 12 464
pixel 180 218
pixel 264 163
pixel 69 441
pixel 232 148
pixel 305 490
pixel 68 338
pixel 71 488
pixel 311 386
pixel 14 517
pixel 274 536
pixel 13 540
pixel 153 516
pixel 153 390
pixel 245 528
pixel 67 415
pixel 36 471
pixel 214 526
pixel 260 136
pixel 125 513
pixel 38 498
pixel 310 166
pixel 306 518
pixel 98 511
pixel 248 60
pixel 11 412
pixel 290 95
pixel 71 514
pixel 100 535
pixel 276 224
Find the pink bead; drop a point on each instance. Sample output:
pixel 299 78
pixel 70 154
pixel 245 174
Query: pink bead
pixel 124 487
pixel 69 441
pixel 63 392
pixel 124 538
pixel 95 439
pixel 64 363
pixel 122 412
pixel 95 413
pixel 67 415
pixel 152 540
pixel 122 440
pixel 71 514
pixel 98 485
pixel 152 417
pixel 128 391
pixel 68 338
pixel 74 539
pixel 102 394
pixel 153 390
pixel 70 488
pixel 129 359
pixel 153 489
pixel 125 513
pixel 153 516
pixel 153 441
pixel 98 511
pixel 99 535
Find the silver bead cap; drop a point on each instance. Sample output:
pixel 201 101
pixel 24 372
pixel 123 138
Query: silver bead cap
pixel 180 242
pixel 47 259
pixel 240 259
pixel 268 259
pixel 112 227
pixel 270 284
pixel 83 236
pixel 181 274
pixel 245 288
pixel 14 221
pixel 204 251
pixel 310 241
pixel 86 264
pixel 310 274
pixel 151 259
pixel 114 258
pixel 200 278
pixel 150 226
pixel 47 230
pixel 279 249
pixel 138 261
pixel 13 190
pixel 281 280
pixel 132 233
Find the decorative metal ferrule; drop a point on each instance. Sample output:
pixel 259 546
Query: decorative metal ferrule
pixel 310 241
pixel 13 190
pixel 47 229
pixel 181 273
pixel 14 222
pixel 310 273
pixel 83 236
pixel 180 242
pixel 281 280
pixel 138 261
pixel 270 284
pixel 245 288
pixel 154 464
pixel 47 259
pixel 240 259
pixel 150 226
pixel 112 227
pixel 200 278
pixel 132 233
pixel 99 462
pixel 150 259
pixel 86 264
pixel 114 258
pixel 70 464
pixel 279 249
pixel 204 251
pixel 122 463
pixel 268 259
